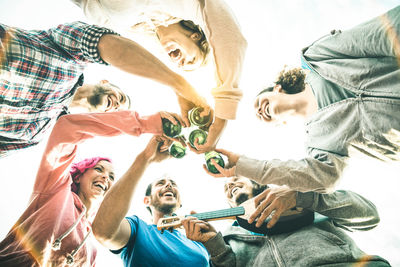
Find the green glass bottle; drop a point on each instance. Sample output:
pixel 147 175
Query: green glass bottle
pixel 196 119
pixel 217 157
pixel 177 150
pixel 170 129
pixel 199 134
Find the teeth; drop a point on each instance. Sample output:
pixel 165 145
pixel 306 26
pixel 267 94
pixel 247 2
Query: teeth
pixel 234 190
pixel 168 194
pixel 175 54
pixel 101 186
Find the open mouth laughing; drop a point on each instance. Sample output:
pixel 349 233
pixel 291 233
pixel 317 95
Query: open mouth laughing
pixel 167 193
pixel 101 185
pixel 175 54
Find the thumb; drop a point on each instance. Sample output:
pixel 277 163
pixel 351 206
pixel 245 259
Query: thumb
pixel 193 212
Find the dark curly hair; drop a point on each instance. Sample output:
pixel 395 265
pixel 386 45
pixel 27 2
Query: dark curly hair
pixel 292 80
pixel 202 43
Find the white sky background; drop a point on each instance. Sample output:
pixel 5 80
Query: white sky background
pixel 276 31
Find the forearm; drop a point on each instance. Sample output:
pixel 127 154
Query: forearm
pixel 221 253
pixel 319 174
pixel 116 204
pixel 216 129
pixel 129 56
pixel 347 209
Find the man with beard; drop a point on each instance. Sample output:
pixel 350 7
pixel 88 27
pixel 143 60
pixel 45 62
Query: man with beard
pixel 137 242
pixel 321 243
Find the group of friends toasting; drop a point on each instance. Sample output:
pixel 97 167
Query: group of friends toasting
pixel 286 212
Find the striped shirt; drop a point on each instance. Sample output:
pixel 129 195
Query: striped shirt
pixel 39 74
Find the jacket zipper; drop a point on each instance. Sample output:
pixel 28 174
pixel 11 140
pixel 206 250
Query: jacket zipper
pixel 275 253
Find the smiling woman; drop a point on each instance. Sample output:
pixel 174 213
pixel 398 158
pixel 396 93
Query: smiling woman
pixel 54 228
pixel 93 172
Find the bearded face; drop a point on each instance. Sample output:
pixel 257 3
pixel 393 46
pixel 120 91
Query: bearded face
pixel 165 196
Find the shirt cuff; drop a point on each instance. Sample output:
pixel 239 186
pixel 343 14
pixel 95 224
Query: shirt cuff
pixel 305 200
pixel 226 108
pixel 249 168
pixel 216 245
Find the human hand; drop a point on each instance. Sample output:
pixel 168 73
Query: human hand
pixel 214 133
pixel 230 166
pixel 198 230
pixel 187 105
pixel 157 149
pixel 277 200
pixel 174 119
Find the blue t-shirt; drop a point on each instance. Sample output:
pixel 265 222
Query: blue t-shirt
pixel 148 247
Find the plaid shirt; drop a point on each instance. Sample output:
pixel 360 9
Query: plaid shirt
pixel 39 74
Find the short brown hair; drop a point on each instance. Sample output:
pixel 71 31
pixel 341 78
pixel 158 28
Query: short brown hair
pixel 292 80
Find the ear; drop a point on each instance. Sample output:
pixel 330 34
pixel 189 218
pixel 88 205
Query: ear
pixel 104 81
pixel 278 88
pixel 146 201
pixel 195 36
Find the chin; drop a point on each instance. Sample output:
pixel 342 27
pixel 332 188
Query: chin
pixel 241 198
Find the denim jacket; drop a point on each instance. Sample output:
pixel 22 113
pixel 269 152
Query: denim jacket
pixel 322 243
pixel 364 60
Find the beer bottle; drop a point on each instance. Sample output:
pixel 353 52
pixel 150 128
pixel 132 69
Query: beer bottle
pixel 199 134
pixel 170 129
pixel 217 157
pixel 177 150
pixel 196 119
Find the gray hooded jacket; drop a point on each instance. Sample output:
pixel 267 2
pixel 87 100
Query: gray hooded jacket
pixel 364 60
pixel 320 244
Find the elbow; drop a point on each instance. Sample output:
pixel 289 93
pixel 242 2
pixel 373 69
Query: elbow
pixel 242 43
pixel 100 233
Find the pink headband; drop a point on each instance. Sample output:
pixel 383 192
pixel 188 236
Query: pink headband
pixel 77 169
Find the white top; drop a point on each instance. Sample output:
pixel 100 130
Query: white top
pixel 214 16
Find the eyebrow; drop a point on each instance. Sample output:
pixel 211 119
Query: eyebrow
pixel 164 180
pixel 102 167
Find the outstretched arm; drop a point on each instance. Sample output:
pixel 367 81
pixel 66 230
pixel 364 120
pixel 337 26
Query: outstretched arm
pixel 129 56
pixel 319 172
pixel 110 227
pixel 71 130
pixel 346 208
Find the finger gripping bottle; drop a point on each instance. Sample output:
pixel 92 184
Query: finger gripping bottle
pixel 196 119
pixel 177 150
pixel 199 134
pixel 215 156
pixel 170 129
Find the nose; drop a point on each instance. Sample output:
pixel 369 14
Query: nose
pixel 168 184
pixel 106 177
